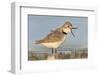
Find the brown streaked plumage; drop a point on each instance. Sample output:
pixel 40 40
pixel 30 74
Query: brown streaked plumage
pixel 56 38
pixel 56 35
pixel 52 37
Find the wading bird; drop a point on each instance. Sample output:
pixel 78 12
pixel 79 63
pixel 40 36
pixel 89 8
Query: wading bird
pixel 55 38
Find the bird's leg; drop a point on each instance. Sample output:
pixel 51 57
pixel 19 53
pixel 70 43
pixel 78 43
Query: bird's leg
pixel 54 52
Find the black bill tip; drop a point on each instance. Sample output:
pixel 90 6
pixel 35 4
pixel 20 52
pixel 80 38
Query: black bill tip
pixel 73 34
pixel 74 27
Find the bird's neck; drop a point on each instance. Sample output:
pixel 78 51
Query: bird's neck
pixel 61 31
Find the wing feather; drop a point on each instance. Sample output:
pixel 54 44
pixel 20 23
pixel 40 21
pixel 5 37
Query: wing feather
pixel 52 37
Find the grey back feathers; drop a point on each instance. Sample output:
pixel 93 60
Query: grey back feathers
pixel 54 36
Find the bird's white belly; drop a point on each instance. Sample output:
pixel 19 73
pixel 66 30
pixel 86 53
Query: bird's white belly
pixel 53 44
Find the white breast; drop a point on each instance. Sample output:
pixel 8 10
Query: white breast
pixel 53 44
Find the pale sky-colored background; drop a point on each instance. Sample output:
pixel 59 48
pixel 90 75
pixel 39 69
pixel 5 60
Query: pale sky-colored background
pixel 39 26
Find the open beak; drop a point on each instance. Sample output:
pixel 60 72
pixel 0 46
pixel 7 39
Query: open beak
pixel 74 27
pixel 72 31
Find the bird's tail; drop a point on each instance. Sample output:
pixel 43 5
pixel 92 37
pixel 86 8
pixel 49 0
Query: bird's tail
pixel 37 42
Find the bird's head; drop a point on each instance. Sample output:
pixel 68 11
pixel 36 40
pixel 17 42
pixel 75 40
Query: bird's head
pixel 67 28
